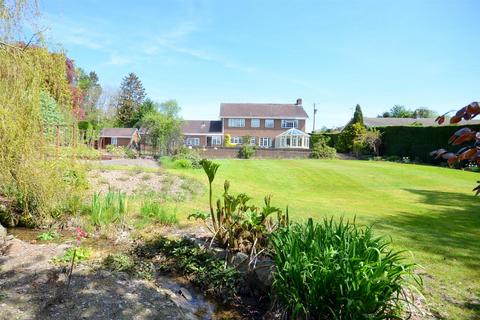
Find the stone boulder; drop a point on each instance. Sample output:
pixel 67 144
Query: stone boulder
pixel 3 234
pixel 262 275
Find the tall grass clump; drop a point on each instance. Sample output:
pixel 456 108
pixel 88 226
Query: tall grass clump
pixel 337 270
pixel 154 211
pixel 108 209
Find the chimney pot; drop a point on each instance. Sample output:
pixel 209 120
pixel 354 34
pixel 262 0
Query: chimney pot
pixel 299 102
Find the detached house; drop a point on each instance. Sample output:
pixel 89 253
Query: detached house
pixel 266 125
pixel 121 137
pixel 204 133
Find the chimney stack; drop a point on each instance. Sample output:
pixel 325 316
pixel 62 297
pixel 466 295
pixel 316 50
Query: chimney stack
pixel 299 102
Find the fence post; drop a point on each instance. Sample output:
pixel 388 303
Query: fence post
pixel 74 135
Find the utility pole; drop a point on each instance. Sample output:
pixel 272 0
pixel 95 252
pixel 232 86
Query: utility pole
pixel 314 116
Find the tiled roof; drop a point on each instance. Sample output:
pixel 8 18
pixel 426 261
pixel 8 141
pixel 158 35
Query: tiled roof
pixel 390 122
pixel 262 110
pixel 117 132
pixel 202 126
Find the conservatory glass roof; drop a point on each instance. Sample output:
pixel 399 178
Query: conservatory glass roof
pixel 293 132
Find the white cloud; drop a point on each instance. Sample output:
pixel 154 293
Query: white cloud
pixel 119 60
pixel 71 33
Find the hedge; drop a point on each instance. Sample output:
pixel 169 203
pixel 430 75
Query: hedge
pixel 417 142
pixel 331 142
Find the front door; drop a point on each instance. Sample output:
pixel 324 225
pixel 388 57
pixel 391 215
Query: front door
pixel 209 141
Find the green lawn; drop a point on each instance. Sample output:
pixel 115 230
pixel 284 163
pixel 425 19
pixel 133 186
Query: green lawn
pixel 429 211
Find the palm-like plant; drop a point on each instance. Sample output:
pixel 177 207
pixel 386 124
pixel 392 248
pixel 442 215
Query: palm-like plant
pixel 237 224
pixel 210 169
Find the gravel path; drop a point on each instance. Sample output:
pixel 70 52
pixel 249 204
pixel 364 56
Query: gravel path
pixel 147 163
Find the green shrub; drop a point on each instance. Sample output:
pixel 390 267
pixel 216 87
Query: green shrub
pixel 331 138
pixel 367 143
pixel 182 164
pixel 108 209
pixel 246 151
pixel 153 210
pixel 200 266
pixel 48 236
pixel 337 270
pixel 43 190
pixel 81 254
pixel 121 152
pixel 130 153
pixel 80 152
pixel 166 162
pixel 321 150
pixel 235 223
pixel 184 153
pixel 347 137
pixel 119 262
pixel 360 148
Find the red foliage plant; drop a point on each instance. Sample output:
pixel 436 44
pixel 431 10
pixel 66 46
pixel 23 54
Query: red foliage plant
pixel 471 152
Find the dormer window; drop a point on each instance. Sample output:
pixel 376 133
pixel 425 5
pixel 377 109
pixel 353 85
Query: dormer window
pixel 236 123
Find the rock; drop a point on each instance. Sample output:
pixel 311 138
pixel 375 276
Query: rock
pixel 185 293
pixel 3 234
pixel 240 261
pixel 219 253
pixel 262 275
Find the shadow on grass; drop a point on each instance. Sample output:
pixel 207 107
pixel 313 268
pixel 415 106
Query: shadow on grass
pixel 451 229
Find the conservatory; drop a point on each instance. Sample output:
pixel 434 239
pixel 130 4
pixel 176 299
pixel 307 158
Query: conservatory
pixel 293 138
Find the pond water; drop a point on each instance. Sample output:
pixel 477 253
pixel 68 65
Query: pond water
pixel 192 302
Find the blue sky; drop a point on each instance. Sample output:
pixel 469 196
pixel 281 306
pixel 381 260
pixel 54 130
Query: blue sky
pixel 333 53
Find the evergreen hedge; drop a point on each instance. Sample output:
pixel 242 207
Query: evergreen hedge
pixel 417 142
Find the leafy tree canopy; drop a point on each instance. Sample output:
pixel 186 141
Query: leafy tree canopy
pixel 400 111
pixel 163 126
pixel 132 96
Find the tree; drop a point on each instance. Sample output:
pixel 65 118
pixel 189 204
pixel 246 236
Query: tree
pixel 170 107
pixel 132 95
pixel 400 111
pixel 357 115
pixel 90 91
pixel 163 129
pixel 423 112
pixel 470 152
pixel 368 142
pixel 354 128
pixel 145 108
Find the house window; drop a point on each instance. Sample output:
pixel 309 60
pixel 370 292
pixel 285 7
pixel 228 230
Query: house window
pixel 236 123
pixel 114 141
pixel 216 140
pixel 192 141
pixel 288 124
pixel 253 141
pixel 255 123
pixel 269 123
pixel 236 140
pixel 265 142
